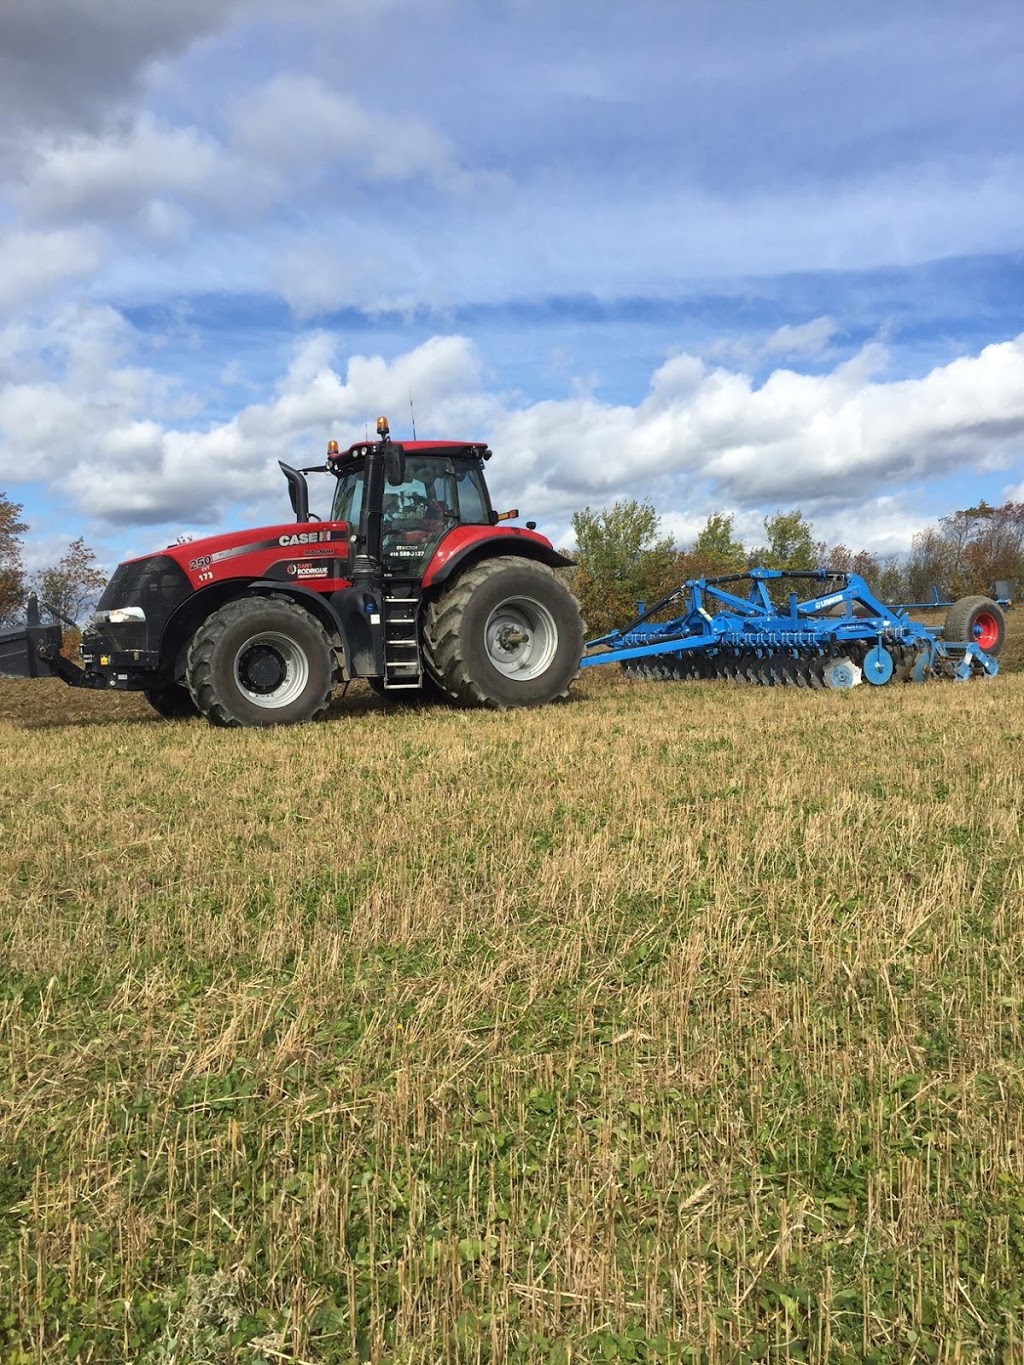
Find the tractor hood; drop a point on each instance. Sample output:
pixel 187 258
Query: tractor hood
pixel 292 550
pixel 289 537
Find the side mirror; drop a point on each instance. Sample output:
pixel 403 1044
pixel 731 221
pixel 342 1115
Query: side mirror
pixel 298 491
pixel 394 464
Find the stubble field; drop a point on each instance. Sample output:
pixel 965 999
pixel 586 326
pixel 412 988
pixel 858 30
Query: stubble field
pixel 677 1023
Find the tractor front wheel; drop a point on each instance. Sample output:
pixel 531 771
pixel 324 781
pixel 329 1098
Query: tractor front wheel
pixel 507 633
pixel 976 620
pixel 261 661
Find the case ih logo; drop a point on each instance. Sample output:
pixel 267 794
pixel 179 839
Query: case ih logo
pixel 304 538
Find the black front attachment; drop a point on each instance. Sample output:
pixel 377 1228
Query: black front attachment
pixel 33 650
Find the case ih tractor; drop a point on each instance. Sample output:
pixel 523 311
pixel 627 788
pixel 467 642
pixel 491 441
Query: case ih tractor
pixel 411 583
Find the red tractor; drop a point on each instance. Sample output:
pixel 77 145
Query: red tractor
pixel 411 583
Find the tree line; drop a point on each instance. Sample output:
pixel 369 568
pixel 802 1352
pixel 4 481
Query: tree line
pixel 623 558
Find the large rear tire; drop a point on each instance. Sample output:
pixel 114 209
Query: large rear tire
pixel 978 620
pixel 261 661
pixel 507 633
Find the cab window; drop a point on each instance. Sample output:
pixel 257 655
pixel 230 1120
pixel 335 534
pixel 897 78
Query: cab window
pixel 474 507
pixel 348 497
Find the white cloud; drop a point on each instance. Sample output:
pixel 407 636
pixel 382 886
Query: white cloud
pixel 296 122
pixel 293 142
pixel 32 264
pixel 348 264
pixel 569 236
pixel 94 430
pixel 807 339
pixel 113 175
pixel 830 443
pixel 848 447
pixel 882 525
pixel 822 438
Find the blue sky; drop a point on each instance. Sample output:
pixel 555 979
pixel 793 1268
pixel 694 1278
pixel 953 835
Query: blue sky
pixel 721 254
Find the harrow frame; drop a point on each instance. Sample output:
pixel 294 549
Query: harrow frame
pixel 833 639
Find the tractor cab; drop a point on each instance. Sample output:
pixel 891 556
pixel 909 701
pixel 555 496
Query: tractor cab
pixel 430 487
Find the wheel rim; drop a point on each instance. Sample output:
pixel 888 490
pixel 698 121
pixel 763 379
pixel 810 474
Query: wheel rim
pixel 985 629
pixel 521 638
pixel 271 670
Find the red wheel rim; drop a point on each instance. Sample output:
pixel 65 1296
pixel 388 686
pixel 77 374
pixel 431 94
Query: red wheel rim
pixel 986 629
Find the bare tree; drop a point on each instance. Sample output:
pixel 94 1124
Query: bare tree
pixel 73 585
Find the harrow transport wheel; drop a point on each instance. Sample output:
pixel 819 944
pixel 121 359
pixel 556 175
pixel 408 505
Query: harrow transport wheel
pixel 978 620
pixel 261 661
pixel 173 701
pixel 506 633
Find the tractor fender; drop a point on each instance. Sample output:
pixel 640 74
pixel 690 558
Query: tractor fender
pixel 466 545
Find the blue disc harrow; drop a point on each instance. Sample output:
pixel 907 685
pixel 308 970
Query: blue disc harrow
pixel 760 627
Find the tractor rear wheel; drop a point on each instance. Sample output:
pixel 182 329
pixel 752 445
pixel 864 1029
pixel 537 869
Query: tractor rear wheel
pixel 507 633
pixel 261 661
pixel 173 701
pixel 976 620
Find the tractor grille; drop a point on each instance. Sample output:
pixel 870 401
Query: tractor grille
pixel 158 585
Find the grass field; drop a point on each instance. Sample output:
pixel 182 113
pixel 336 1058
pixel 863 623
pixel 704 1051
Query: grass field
pixel 676 1023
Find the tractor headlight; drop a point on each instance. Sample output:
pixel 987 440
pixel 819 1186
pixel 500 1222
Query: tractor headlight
pixel 119 615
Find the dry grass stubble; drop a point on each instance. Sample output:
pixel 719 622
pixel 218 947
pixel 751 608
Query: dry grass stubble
pixel 670 1023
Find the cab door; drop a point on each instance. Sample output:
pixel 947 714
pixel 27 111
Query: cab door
pixel 416 515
